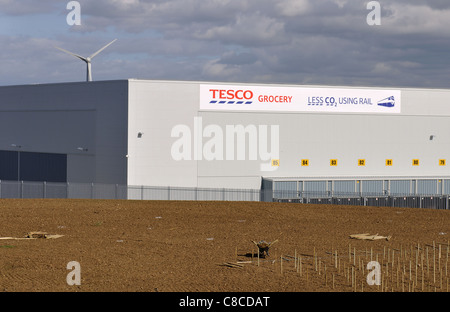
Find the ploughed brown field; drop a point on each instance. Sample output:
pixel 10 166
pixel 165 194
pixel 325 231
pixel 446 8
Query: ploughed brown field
pixel 184 246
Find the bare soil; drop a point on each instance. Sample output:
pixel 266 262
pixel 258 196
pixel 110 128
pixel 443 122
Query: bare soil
pixel 182 246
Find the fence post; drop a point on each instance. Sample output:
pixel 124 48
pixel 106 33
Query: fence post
pixel 45 190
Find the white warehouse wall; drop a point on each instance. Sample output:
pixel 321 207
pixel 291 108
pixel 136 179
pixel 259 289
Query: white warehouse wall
pixel 154 108
pixel 168 114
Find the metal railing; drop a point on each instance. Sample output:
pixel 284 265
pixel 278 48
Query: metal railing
pixel 406 200
pixel 24 189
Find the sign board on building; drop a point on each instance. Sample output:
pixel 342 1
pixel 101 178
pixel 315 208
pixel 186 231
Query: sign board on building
pixel 299 99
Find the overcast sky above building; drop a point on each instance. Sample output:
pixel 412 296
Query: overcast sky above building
pixel 255 41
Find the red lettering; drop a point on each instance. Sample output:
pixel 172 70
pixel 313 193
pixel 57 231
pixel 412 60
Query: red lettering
pixel 231 94
pixel 274 99
pixel 213 92
pixel 248 95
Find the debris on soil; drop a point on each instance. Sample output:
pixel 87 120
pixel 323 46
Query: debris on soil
pixel 35 235
pixel 367 236
pixel 233 265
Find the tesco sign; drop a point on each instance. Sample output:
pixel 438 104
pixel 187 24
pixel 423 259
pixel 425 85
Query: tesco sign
pixel 299 99
pixel 230 94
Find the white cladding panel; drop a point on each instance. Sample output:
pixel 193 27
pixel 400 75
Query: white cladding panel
pixel 154 109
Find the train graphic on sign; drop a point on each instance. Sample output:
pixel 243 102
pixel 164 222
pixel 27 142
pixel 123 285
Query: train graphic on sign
pixel 387 102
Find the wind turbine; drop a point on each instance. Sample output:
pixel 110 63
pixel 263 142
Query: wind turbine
pixel 88 59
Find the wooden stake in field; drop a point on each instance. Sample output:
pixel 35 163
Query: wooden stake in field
pixel 299 267
pixel 306 275
pixel 353 273
pixel 349 253
pixel 439 258
pixel 439 252
pixel 417 260
pixel 335 259
pixel 295 259
pixel 434 263
pixel 281 264
pixel 403 282
pixel 314 258
pixel 333 281
pixel 422 276
pixel 258 257
pixel 410 273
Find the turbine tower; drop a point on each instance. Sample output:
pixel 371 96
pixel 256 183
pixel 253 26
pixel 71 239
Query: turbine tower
pixel 88 59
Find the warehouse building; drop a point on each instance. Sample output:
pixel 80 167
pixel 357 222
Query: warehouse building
pixel 290 139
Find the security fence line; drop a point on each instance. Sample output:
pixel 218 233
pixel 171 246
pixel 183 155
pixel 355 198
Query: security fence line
pixel 24 189
pixel 425 201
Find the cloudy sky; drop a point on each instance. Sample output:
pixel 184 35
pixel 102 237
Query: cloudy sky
pixel 255 41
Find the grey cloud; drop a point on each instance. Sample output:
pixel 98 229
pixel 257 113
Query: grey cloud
pixel 286 41
pixel 235 58
pixel 27 7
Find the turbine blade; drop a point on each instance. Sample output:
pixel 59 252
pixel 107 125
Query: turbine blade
pixel 73 54
pixel 92 56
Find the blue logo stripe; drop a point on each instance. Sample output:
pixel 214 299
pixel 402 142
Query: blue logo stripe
pixel 230 102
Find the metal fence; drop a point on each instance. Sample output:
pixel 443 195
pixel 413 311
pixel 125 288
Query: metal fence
pixel 375 199
pixel 24 189
pixel 363 187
